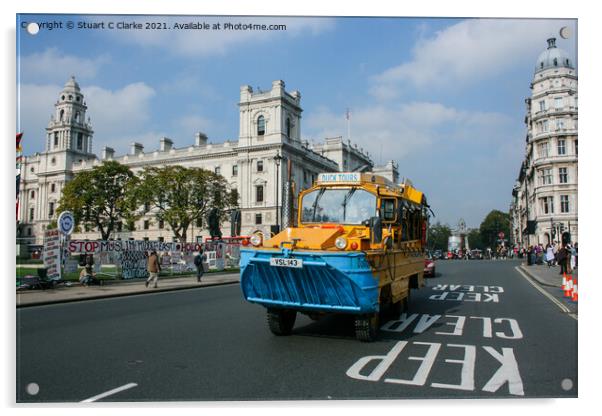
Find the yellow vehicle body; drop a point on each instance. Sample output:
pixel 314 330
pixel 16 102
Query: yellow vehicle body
pixel 370 262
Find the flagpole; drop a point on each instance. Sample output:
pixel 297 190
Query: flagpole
pixel 348 117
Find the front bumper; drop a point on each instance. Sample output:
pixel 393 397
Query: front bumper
pixel 328 282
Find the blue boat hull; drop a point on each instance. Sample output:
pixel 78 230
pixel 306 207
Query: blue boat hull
pixel 327 282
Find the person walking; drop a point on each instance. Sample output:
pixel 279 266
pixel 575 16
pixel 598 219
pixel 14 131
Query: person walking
pixel 198 262
pixel 549 254
pixel 564 258
pixel 153 267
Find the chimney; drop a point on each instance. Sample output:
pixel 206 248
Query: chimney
pixel 200 139
pixel 165 144
pixel 136 148
pixel 108 153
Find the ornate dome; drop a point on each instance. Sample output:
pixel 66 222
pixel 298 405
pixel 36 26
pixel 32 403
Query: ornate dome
pixel 553 58
pixel 71 85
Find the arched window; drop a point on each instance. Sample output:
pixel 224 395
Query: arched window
pixel 52 187
pixel 288 127
pixel 260 126
pixel 77 116
pixel 555 62
pixel 61 115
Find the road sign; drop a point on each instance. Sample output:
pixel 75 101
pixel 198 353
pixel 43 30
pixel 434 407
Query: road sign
pixel 66 223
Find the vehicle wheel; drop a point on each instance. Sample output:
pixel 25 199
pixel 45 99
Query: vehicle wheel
pixel 366 327
pixel 281 321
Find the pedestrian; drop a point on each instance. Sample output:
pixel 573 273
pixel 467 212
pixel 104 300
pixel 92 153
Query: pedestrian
pixel 564 259
pixel 549 254
pixel 198 262
pixel 153 268
pixel 576 255
pixel 573 252
pixel 530 256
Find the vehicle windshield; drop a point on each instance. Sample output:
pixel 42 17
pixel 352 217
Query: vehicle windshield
pixel 340 206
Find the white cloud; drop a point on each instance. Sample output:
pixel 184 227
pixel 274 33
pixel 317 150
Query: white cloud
pixel 116 115
pixel 56 67
pixel 392 132
pixel 471 50
pixel 201 42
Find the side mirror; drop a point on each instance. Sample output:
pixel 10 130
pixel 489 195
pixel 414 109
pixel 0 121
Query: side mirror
pixel 376 230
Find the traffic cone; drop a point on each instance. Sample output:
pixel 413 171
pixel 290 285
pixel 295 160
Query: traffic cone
pixel 569 280
pixel 567 286
pixel 574 299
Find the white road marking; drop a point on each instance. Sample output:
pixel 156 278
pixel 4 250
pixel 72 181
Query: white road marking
pixel 546 294
pixel 109 393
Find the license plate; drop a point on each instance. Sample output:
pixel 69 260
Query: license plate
pixel 282 262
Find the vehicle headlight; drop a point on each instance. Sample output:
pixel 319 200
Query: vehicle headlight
pixel 340 243
pixel 255 240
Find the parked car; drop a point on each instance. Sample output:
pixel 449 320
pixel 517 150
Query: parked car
pixel 429 267
pixel 476 254
pixel 438 254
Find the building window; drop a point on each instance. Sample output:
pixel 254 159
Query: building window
pixel 235 170
pixel 546 176
pixel 31 169
pixel 119 226
pixel 542 105
pixel 258 220
pixel 80 141
pixel 52 188
pixel 260 166
pixel 559 124
pixel 561 147
pixel 260 126
pixel 145 238
pixel 576 147
pixel 50 209
pixel 53 161
pixel 77 116
pixel 146 224
pixel 56 138
pixel 259 193
pixel 161 224
pixel 547 205
pixel 218 170
pixel 288 127
pixel 29 232
pixel 199 222
pixel 563 175
pixel 161 239
pixel 304 176
pixel 558 103
pixel 542 149
pixel 32 195
pixel 544 126
pixel 61 115
pixel 564 204
pixel 31 212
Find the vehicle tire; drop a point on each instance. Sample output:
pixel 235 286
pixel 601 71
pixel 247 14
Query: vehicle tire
pixel 281 321
pixel 366 327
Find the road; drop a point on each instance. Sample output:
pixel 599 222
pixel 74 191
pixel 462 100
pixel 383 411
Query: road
pixel 478 330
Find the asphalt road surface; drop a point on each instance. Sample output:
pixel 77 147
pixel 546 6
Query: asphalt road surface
pixel 478 330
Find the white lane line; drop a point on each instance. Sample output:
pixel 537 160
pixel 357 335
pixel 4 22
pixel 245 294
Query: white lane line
pixel 109 393
pixel 546 294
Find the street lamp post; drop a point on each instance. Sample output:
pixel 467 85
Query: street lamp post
pixel 277 160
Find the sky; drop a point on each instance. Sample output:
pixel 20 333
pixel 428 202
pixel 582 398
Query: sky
pixel 443 98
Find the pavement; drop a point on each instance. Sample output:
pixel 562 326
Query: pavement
pixel 550 279
pixel 73 291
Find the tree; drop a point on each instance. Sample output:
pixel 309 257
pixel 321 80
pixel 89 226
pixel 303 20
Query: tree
pixel 181 196
pixel 438 236
pixel 491 226
pixel 101 197
pixel 474 239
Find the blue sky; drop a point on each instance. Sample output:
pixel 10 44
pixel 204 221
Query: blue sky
pixel 444 98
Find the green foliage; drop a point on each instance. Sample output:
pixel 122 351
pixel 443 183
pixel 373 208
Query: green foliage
pixel 474 239
pixel 101 197
pixel 180 196
pixel 493 223
pixel 438 235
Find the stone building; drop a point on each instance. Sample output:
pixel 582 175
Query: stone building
pixel 544 197
pixel 256 164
